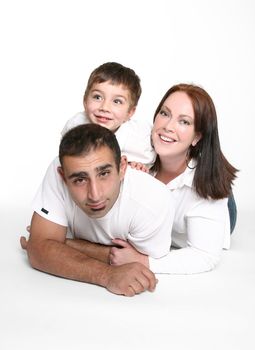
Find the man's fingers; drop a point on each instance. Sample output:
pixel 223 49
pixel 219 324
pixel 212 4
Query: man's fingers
pixel 23 242
pixel 151 278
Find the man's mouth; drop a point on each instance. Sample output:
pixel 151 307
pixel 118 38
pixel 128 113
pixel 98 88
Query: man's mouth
pixel 97 207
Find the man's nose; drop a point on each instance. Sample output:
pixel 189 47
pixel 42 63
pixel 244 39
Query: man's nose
pixel 94 191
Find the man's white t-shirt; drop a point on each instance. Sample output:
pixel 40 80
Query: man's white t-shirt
pixel 134 138
pixel 143 213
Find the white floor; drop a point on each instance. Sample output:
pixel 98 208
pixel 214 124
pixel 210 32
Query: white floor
pixel 214 310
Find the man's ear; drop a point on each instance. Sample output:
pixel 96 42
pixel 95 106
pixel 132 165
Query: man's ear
pixel 61 173
pixel 123 166
pixel 196 139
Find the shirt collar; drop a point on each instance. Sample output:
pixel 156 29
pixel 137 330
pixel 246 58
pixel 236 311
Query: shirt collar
pixel 184 179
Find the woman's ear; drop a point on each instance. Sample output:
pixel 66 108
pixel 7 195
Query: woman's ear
pixel 196 139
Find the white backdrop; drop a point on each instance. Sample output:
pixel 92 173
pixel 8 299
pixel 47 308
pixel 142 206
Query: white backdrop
pixel 49 48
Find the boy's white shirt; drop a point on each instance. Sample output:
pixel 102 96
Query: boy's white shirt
pixel 201 230
pixel 134 138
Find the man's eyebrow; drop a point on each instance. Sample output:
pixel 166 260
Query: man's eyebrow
pixel 78 174
pixel 85 174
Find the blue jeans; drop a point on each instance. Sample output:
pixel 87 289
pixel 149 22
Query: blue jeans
pixel 232 211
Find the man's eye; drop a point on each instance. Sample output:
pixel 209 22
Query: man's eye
pixel 79 181
pixel 104 173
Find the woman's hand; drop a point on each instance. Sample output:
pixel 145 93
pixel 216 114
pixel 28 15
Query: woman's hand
pixel 126 253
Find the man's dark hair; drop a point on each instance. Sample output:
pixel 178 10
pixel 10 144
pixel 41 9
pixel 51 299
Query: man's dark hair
pixel 87 137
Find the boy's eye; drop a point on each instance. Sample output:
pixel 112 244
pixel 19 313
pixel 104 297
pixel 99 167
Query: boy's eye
pixel 117 101
pixel 97 97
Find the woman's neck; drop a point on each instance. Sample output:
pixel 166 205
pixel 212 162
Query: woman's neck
pixel 170 168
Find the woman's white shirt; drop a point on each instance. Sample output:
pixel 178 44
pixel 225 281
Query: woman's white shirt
pixel 200 231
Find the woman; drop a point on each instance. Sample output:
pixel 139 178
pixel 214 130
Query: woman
pixel 190 162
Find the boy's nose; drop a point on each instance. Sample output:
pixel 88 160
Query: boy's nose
pixel 105 105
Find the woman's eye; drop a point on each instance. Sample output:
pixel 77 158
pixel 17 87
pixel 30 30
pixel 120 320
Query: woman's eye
pixel 184 122
pixel 163 113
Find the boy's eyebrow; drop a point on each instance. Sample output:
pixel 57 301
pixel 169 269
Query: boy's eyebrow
pixel 85 174
pixel 101 92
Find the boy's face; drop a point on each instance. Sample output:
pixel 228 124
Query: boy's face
pixel 108 105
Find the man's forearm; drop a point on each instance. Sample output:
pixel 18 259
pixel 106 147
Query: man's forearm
pixel 62 260
pixel 59 259
pixel 94 250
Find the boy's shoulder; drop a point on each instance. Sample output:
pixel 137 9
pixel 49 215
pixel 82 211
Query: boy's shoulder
pixel 135 125
pixel 78 119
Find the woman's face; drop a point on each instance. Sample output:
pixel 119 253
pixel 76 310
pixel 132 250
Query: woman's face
pixel 174 129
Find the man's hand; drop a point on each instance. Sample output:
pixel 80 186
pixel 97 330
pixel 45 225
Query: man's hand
pixel 23 242
pixel 130 279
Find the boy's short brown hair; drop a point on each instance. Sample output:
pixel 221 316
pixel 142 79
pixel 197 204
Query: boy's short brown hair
pixel 116 73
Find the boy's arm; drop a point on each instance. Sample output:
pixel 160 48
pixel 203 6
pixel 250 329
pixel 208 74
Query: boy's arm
pixel 48 252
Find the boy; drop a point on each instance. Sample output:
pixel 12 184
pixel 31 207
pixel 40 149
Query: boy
pixel 110 100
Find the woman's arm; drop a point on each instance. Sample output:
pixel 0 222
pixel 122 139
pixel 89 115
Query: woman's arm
pixel 207 226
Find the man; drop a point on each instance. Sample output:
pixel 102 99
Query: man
pixel 93 195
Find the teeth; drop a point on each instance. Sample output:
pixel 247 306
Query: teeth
pixel 167 139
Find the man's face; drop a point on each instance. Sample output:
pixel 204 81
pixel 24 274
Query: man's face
pixel 93 180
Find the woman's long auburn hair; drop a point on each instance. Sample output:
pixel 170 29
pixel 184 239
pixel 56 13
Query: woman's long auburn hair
pixel 214 175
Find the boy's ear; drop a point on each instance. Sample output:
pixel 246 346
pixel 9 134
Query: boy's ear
pixel 132 111
pixel 123 166
pixel 61 173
